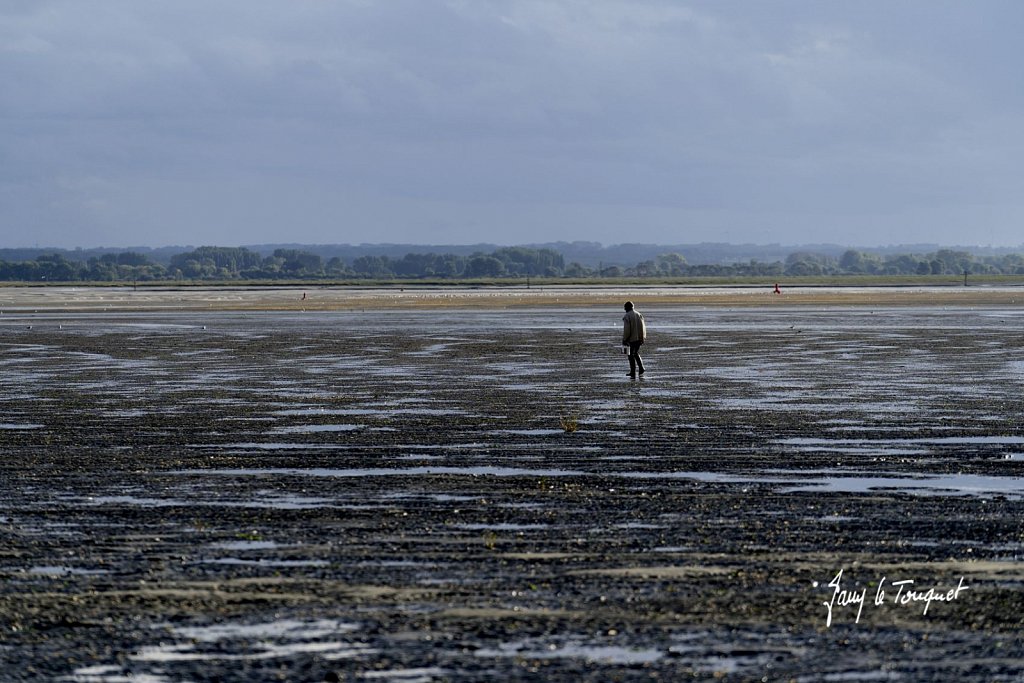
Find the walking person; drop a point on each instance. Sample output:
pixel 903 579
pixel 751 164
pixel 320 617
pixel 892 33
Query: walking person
pixel 634 331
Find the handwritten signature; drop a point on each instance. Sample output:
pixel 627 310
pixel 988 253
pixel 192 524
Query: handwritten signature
pixel 906 593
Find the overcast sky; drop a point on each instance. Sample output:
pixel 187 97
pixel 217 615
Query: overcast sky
pixel 189 122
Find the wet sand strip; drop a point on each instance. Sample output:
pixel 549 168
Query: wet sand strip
pixel 58 299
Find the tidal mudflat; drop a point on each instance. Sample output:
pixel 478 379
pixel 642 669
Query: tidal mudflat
pixel 480 494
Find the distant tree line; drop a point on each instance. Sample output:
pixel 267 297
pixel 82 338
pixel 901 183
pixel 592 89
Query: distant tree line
pixel 241 263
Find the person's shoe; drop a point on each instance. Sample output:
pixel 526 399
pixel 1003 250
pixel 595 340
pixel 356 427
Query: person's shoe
pixel 632 375
pixel 642 371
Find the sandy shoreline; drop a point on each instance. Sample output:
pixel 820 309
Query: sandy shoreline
pixel 106 299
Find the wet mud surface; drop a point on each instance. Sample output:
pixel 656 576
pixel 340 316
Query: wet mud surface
pixel 485 495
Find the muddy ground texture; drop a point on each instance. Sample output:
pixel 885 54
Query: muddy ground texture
pixel 472 495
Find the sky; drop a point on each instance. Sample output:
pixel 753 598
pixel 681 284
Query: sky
pixel 214 122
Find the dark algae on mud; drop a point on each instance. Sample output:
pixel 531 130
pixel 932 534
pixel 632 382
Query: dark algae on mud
pixel 290 496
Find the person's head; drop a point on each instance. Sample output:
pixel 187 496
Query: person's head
pixel 628 306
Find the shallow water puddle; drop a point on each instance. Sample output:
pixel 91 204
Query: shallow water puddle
pixel 426 411
pixel 931 485
pixel 436 497
pixel 413 675
pixel 526 386
pixel 529 432
pixel 606 654
pixel 521 369
pixel 477 471
pixel 61 570
pixel 248 545
pixel 962 440
pixel 267 446
pixel 135 500
pixel 312 429
pixel 504 526
pixel 314 410
pixel 897 446
pixel 276 501
pixel 799 481
pixel 824 402
pixel 959 440
pixel 432 349
pixel 853 482
pixel 264 501
pixel 119 414
pixel 270 640
pixel 416 457
pixel 106 673
pixel 275 564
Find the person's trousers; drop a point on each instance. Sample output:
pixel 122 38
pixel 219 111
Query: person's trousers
pixel 635 362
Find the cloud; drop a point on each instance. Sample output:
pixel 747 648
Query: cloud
pixel 440 118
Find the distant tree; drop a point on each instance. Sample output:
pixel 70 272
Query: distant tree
pixel 55 268
pixel 484 266
pixel 800 267
pixel 807 263
pixel 191 268
pixel 645 269
pixel 954 262
pixel 852 261
pixel 428 265
pixel 577 270
pixel 215 262
pixel 297 263
pixel 755 267
pixel 672 264
pixel 322 261
pixel 336 268
pixel 131 258
pixel 145 273
pixel 28 271
pixel 450 265
pixel 526 261
pixel 101 269
pixel 1012 264
pixel 373 266
pixel 902 264
pixel 271 267
pixel 706 270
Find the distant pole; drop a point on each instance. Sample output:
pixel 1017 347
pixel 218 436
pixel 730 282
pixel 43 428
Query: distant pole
pixel 965 277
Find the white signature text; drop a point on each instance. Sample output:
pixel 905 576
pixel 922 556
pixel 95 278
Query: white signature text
pixel 902 592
